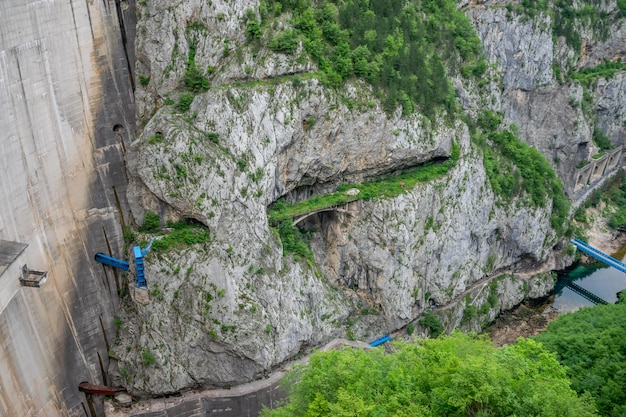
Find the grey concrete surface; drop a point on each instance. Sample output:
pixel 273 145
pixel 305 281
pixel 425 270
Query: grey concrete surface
pixel 66 115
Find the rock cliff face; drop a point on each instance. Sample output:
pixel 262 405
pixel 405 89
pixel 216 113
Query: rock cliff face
pixel 229 310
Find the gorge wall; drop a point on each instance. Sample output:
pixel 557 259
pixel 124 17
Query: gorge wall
pixel 232 308
pixel 67 117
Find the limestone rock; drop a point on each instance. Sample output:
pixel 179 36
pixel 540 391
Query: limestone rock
pixel 229 310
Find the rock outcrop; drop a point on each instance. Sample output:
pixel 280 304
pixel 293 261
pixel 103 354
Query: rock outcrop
pixel 229 310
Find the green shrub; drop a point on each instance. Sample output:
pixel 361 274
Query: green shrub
pixel 184 102
pixel 148 357
pixel 184 235
pixel 293 241
pixel 431 321
pixel 194 79
pixel 151 223
pixel 144 80
pixel 253 30
pixel 580 215
pixel 213 137
pixel 129 235
pixel 601 140
pixel 285 42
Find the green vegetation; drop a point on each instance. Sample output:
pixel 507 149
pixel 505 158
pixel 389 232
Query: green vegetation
pixel 194 79
pixel 455 376
pixel 384 188
pixel 432 322
pixel 253 26
pixel 399 47
pixel 184 233
pixel 591 343
pixel 607 70
pixel 184 102
pixel 144 80
pixel 601 140
pixel 285 42
pixel 294 241
pixel 515 168
pixel 151 223
pixel 614 194
pixel 148 357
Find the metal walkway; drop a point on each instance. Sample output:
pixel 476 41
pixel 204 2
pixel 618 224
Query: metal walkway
pixel 598 254
pixel 585 294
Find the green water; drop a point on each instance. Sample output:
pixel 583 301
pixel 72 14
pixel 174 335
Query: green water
pixel 603 281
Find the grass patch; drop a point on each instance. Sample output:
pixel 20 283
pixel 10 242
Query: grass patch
pixel 183 234
pixel 607 70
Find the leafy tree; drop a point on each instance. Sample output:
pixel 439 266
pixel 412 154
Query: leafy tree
pixel 285 42
pixel 399 47
pixel 253 29
pixel 591 343
pixel 152 222
pixel 459 375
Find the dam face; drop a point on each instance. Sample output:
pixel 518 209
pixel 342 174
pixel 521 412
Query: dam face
pixel 66 101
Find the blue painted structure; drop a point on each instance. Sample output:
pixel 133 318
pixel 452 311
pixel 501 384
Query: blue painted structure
pixel 111 261
pixel 598 254
pixel 139 267
pixel 380 340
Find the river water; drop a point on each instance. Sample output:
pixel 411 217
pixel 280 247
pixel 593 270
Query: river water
pixel 603 281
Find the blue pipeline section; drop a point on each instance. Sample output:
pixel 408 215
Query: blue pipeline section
pixel 598 254
pixel 380 340
pixel 111 261
pixel 139 267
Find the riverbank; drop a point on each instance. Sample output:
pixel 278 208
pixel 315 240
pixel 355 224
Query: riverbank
pixel 601 236
pixel 530 319
pixel 525 320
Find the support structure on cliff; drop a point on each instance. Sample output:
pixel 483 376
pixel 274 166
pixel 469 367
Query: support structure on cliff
pixel 347 208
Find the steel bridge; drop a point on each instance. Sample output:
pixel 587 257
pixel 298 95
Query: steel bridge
pixel 598 254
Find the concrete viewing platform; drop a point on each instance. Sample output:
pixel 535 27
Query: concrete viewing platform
pixel 9 252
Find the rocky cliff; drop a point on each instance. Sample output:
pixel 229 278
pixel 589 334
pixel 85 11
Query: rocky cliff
pixel 229 309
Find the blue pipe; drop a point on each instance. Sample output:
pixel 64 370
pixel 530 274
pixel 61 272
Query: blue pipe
pixel 111 261
pixel 380 340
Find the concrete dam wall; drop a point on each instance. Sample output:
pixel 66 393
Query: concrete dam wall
pixel 66 100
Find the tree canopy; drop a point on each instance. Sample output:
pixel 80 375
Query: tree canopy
pixel 591 343
pixel 458 375
pixel 398 46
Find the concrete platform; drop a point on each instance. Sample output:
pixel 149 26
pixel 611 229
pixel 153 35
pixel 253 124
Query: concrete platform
pixel 9 252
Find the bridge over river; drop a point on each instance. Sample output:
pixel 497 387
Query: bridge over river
pixel 595 295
